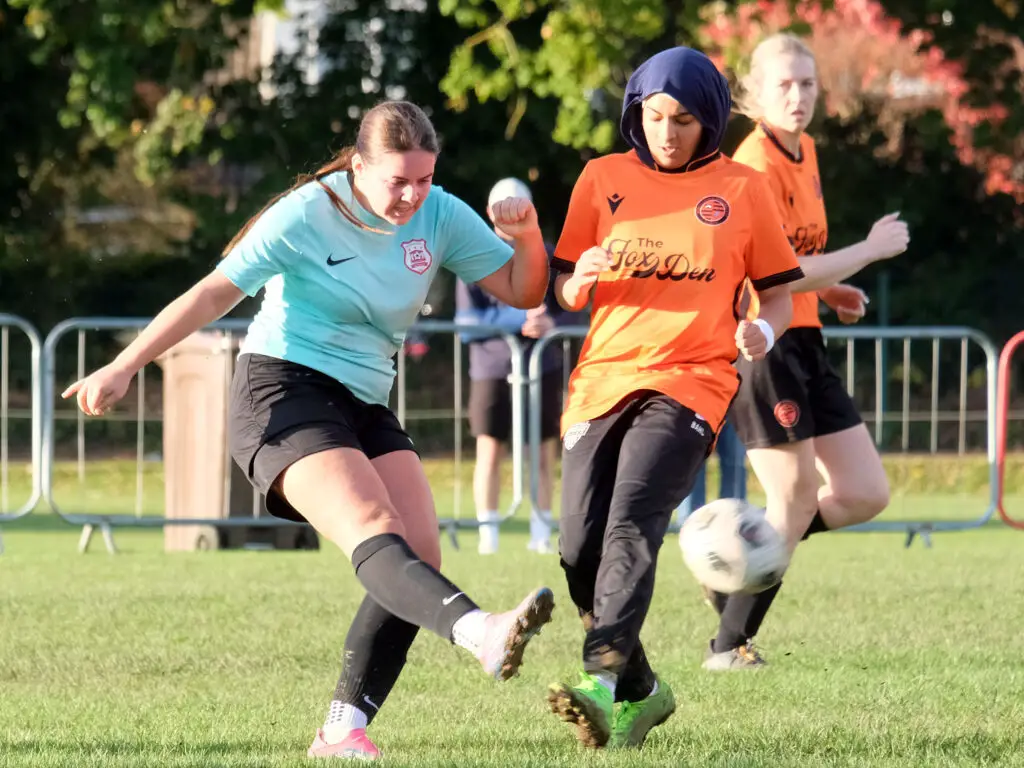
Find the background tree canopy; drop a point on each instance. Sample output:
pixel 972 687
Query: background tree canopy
pixel 136 142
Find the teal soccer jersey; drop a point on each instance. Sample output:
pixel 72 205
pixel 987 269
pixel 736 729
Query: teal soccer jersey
pixel 340 299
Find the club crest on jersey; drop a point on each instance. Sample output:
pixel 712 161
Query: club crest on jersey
pixel 712 210
pixel 417 257
pixel 574 434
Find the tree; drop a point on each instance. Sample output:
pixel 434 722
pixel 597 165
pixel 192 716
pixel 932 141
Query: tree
pixel 110 47
pixel 578 52
pixel 106 92
pixel 984 38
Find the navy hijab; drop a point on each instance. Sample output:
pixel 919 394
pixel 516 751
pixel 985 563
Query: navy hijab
pixel 689 77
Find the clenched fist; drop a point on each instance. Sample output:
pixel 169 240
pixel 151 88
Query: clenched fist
pixel 514 216
pixel 751 341
pixel 889 236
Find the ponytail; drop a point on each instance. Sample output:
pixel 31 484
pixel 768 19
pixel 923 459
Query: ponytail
pixel 341 162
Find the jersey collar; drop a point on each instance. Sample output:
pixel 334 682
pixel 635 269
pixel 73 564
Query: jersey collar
pixel 693 165
pixel 798 158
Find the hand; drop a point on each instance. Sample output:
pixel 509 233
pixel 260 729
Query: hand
pixel 538 322
pixel 514 216
pixel 591 264
pixel 888 237
pixel 751 341
pixel 848 301
pixel 100 390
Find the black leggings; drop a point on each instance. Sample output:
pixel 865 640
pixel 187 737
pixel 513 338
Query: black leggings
pixel 621 481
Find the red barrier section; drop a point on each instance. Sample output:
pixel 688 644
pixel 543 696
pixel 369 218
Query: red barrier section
pixel 1003 421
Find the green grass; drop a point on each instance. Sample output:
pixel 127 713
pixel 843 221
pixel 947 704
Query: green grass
pixel 880 656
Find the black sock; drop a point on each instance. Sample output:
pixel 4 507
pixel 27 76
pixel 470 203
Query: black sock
pixel 742 618
pixel 408 587
pixel 817 526
pixel 375 651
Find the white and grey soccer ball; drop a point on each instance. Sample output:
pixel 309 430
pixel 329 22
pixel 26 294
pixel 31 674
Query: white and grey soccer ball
pixel 730 547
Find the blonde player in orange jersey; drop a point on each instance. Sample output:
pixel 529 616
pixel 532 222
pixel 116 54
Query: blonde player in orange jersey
pixel 793 412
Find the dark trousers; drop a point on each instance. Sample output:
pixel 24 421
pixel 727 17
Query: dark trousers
pixel 623 475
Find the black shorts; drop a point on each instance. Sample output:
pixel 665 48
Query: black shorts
pixel 490 407
pixel 280 412
pixel 791 395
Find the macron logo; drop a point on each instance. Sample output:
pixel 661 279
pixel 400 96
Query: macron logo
pixel 614 202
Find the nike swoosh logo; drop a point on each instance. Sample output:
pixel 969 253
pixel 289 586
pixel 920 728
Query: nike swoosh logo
pixel 335 262
pixel 450 600
pixel 367 700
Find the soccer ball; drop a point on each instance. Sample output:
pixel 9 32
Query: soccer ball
pixel 730 547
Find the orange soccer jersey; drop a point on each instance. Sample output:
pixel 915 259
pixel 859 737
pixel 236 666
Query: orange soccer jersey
pixel 664 316
pixel 796 186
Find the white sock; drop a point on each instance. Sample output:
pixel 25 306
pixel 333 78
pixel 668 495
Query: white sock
pixel 468 631
pixel 608 680
pixel 341 719
pixel 539 528
pixel 488 532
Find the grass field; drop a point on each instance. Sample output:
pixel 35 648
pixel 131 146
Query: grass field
pixel 880 655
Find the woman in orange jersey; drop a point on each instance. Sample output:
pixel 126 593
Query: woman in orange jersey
pixel 661 240
pixel 793 412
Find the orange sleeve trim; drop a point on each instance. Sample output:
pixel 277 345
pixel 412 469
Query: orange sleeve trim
pixel 779 278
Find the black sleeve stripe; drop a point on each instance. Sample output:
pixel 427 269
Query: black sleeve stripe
pixel 563 266
pixel 779 278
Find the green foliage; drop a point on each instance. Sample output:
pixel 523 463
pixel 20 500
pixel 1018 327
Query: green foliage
pixel 179 125
pixel 576 52
pixel 110 46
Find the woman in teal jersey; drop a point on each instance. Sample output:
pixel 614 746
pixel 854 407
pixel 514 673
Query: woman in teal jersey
pixel 345 258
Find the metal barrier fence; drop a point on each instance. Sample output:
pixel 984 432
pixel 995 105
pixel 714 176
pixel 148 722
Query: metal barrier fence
pixel 7 322
pixel 1003 426
pixel 517 380
pixel 44 417
pixel 879 337
pixel 104 523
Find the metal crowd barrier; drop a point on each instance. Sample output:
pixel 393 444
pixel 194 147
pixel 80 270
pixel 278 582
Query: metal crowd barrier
pixel 517 380
pixel 936 335
pixel 879 337
pixel 44 416
pixel 35 342
pixel 105 523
